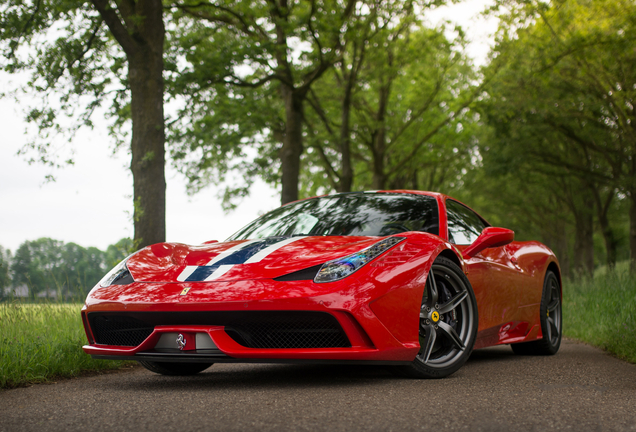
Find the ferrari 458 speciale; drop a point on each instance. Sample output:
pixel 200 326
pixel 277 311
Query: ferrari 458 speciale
pixel 412 279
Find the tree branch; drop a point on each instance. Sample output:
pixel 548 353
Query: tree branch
pixel 112 20
pixel 24 29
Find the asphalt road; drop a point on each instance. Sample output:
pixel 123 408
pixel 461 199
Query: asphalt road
pixel 579 389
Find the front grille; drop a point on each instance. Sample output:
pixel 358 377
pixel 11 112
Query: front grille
pixel 310 331
pixel 262 329
pixel 120 330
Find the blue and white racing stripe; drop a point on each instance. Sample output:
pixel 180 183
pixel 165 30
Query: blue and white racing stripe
pixel 249 252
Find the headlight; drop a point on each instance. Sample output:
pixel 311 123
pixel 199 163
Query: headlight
pixel 119 275
pixel 342 267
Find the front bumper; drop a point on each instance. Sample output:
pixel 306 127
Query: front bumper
pixel 357 346
pixel 377 309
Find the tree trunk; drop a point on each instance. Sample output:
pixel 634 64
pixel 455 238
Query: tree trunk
pixel 379 177
pixel 346 177
pixel 632 234
pixel 602 209
pixel 148 147
pixel 561 248
pixel 584 241
pixel 379 141
pixel 141 35
pixel 554 232
pixel 611 244
pixel 292 144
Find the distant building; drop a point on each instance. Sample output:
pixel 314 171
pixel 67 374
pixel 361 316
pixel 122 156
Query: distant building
pixel 22 291
pixel 19 291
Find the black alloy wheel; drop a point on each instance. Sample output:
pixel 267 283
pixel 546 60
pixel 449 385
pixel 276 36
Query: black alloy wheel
pixel 175 369
pixel 551 321
pixel 448 322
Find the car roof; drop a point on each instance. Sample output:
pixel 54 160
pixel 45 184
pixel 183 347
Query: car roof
pixel 395 191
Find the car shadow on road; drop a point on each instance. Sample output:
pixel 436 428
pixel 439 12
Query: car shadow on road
pixel 279 376
pixel 500 353
pixel 260 376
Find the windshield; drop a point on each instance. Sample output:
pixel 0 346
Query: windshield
pixel 357 214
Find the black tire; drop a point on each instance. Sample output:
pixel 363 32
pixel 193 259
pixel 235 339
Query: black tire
pixel 446 339
pixel 551 321
pixel 175 369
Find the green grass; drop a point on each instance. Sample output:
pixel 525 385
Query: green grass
pixel 602 311
pixel 41 342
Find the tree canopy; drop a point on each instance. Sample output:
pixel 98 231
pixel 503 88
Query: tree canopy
pixel 562 113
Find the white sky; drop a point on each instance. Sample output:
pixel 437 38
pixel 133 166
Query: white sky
pixel 90 203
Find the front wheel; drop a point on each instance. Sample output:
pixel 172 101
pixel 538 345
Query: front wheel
pixel 448 322
pixel 175 369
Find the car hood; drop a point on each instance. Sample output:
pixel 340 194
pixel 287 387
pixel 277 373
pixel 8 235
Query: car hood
pixel 240 260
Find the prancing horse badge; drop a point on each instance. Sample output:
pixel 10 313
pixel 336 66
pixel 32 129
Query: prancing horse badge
pixel 181 341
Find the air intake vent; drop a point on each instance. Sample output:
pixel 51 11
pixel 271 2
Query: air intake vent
pixel 314 330
pixel 120 330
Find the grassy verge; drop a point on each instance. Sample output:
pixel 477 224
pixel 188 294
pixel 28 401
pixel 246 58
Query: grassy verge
pixel 39 342
pixel 602 311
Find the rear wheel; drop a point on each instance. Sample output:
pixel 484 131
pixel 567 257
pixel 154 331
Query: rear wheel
pixel 175 369
pixel 550 312
pixel 448 322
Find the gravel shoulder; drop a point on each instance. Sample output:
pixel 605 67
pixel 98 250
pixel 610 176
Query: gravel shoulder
pixel 581 388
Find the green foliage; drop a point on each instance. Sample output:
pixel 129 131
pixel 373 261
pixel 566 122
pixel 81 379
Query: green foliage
pixel 561 115
pixel 41 342
pixel 117 252
pixel 72 62
pixel 62 270
pixel 602 311
pixel 242 60
pixel 409 125
pixel 58 269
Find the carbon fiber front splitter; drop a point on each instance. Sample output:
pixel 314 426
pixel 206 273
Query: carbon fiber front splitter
pixel 217 356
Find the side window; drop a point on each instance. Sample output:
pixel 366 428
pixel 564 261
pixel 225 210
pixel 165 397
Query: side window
pixel 464 226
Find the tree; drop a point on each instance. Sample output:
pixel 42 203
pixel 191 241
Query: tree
pixel 81 68
pixel 117 252
pixel 566 101
pixel 287 46
pixel 409 125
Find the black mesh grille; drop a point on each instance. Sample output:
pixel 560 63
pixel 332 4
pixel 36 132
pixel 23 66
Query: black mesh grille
pixel 120 330
pixel 262 329
pixel 310 331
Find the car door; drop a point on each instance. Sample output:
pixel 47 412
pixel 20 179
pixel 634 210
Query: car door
pixel 491 273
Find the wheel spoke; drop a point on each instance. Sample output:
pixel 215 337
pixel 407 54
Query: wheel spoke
pixel 432 289
pixel 452 303
pixel 549 328
pixel 553 327
pixel 553 305
pixel 427 349
pixel 452 335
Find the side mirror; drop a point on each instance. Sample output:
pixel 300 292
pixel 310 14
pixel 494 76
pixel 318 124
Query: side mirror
pixel 490 237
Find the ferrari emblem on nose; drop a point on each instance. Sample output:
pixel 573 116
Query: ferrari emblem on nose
pixel 181 341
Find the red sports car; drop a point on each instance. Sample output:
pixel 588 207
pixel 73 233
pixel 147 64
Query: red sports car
pixel 405 278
